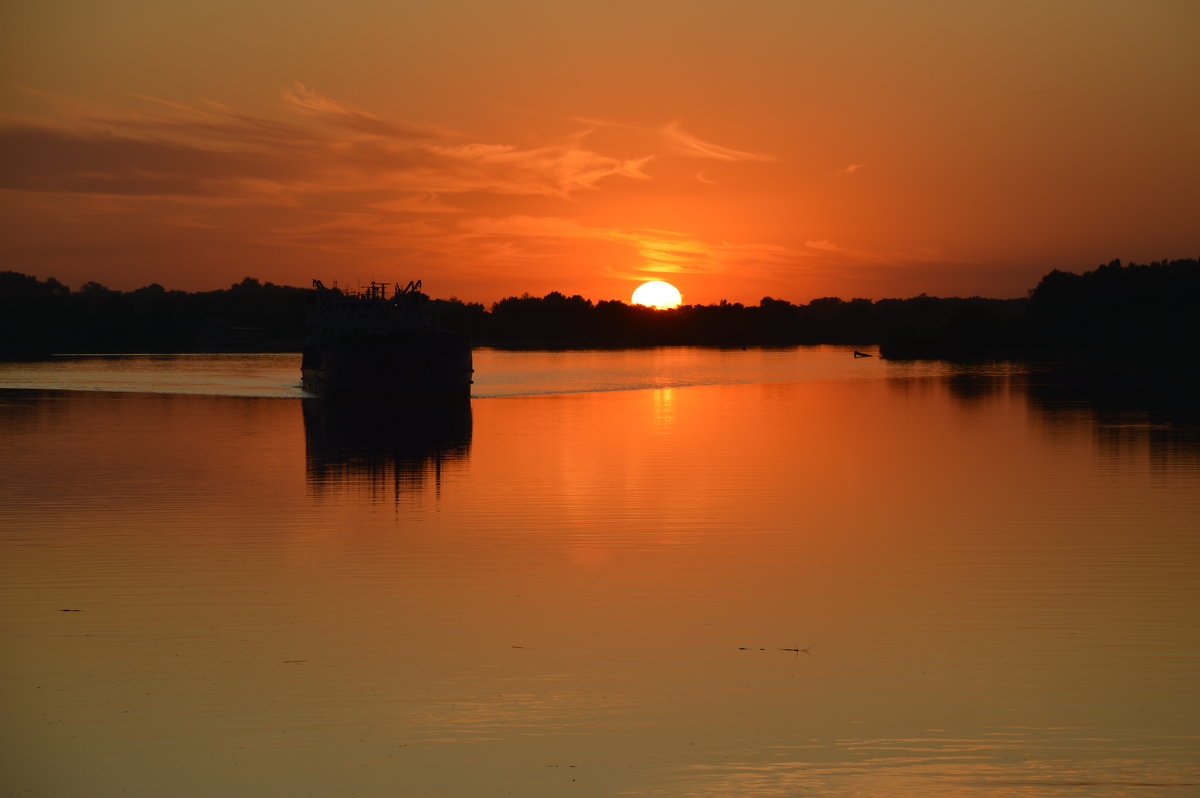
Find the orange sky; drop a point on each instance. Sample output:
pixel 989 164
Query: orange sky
pixel 792 149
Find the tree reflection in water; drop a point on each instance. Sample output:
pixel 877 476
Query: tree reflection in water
pixel 1127 411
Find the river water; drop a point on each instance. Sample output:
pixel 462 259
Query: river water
pixel 677 572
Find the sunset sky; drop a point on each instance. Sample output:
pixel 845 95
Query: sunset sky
pixel 735 149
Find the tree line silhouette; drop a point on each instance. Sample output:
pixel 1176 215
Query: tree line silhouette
pixel 1112 308
pixel 39 317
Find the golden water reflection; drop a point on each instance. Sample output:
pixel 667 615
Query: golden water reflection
pixel 600 594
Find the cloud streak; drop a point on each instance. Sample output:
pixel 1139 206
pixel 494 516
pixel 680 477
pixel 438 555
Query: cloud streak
pixel 300 98
pixel 181 151
pixel 46 160
pixel 657 251
pixel 692 146
pixel 556 170
pixel 683 143
pixel 329 177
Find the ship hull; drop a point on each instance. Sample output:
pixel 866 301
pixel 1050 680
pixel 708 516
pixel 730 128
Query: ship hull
pixel 405 366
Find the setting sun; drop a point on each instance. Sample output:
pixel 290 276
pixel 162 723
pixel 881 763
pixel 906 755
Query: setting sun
pixel 657 294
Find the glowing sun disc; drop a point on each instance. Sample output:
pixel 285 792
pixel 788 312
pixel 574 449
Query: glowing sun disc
pixel 657 294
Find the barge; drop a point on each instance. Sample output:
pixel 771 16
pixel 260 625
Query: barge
pixel 376 345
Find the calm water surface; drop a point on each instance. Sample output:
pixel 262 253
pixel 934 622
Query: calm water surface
pixel 676 572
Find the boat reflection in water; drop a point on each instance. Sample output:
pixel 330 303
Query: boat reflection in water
pixel 383 449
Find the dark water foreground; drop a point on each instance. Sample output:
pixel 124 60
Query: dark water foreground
pixel 807 576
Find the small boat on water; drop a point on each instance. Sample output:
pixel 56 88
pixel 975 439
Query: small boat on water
pixel 861 354
pixel 372 344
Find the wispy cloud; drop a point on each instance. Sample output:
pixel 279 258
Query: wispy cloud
pixel 327 109
pixel 208 123
pixel 852 168
pixel 556 170
pixel 823 246
pixel 681 142
pixel 693 146
pixel 207 152
pixel 53 161
pixel 323 175
pixel 355 232
pixel 657 251
pixel 427 202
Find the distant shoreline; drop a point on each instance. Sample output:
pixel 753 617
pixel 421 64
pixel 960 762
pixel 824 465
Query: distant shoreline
pixel 1140 316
